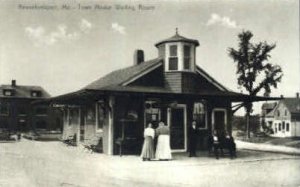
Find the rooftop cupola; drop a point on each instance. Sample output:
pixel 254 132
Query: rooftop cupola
pixel 178 52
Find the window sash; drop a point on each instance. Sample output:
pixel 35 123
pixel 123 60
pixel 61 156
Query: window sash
pixel 187 63
pixel 187 51
pixel 173 50
pixel 173 63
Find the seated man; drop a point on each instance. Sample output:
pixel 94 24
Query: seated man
pixel 230 145
pixel 214 143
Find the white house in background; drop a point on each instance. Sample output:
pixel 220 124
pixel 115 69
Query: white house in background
pixel 284 119
pixel 266 116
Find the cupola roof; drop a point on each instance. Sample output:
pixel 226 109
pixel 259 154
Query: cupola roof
pixel 178 38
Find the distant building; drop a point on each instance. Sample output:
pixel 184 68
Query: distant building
pixel 266 117
pixel 283 117
pixel 18 114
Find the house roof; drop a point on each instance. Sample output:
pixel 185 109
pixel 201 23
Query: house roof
pixel 117 80
pixel 22 91
pixel 178 38
pixel 120 76
pixel 266 106
pixel 292 104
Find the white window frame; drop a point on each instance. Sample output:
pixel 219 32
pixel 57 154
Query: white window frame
pixel 213 118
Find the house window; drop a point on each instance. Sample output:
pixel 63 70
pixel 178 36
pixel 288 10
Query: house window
pixel 287 127
pixel 283 125
pixel 285 112
pixel 187 57
pixel 8 92
pixel 35 93
pixel 279 127
pixel 101 116
pixel 199 114
pixel 4 109
pixel 173 58
pixel 278 113
pixel 152 113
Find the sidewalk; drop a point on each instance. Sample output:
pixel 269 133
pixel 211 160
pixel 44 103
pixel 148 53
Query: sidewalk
pixel 266 147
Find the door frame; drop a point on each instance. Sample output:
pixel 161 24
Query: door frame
pixel 213 118
pixel 183 106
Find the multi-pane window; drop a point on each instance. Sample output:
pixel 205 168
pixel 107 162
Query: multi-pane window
pixel 187 57
pixel 152 113
pixel 199 114
pixel 8 92
pixel 173 58
pixel 279 126
pixel 287 127
pixel 283 125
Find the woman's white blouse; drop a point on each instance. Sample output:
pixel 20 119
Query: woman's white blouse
pixel 149 132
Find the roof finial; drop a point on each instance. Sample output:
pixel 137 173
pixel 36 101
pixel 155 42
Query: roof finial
pixel 176 31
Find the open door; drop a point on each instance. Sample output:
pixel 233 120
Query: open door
pixel 219 120
pixel 177 123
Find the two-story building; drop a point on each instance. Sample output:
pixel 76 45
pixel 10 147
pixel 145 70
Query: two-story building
pixel 171 88
pixel 284 118
pixel 17 114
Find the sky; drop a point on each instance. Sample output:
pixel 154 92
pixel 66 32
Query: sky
pixel 64 49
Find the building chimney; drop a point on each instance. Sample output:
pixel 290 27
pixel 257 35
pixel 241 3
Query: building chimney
pixel 297 95
pixel 281 96
pixel 138 56
pixel 13 83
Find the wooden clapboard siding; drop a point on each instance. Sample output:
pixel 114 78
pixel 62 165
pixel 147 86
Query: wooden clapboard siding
pixel 173 81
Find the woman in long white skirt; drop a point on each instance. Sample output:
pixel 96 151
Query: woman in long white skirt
pixel 163 149
pixel 148 147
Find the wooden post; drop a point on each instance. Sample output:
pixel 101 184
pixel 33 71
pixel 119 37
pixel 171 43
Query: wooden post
pixel 111 125
pixel 78 126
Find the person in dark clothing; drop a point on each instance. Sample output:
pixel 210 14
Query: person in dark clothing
pixel 231 146
pixel 193 136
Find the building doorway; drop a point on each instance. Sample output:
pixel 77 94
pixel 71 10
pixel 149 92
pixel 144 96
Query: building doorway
pixel 177 123
pixel 219 118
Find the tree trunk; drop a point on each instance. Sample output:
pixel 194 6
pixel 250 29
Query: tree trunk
pixel 248 111
pixel 248 125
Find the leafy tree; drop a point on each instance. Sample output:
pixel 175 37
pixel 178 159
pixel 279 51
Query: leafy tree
pixel 255 73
